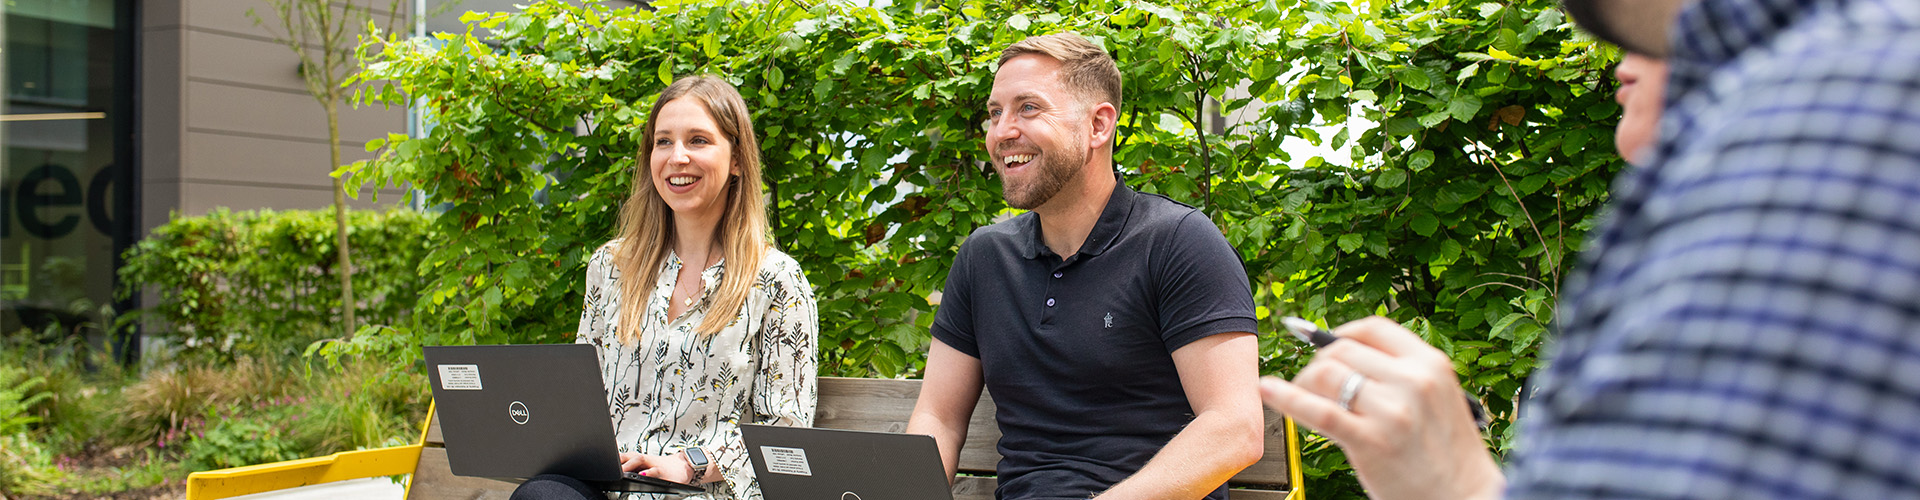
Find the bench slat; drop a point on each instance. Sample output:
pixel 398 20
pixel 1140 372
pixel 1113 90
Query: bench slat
pixel 1271 470
pixel 973 488
pixel 885 405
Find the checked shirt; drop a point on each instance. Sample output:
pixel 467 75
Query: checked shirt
pixel 1746 323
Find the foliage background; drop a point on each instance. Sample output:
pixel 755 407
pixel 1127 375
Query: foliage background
pixel 263 283
pixel 1470 144
pixel 243 296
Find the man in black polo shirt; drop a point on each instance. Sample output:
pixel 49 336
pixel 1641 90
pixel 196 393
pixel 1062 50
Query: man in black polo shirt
pixel 1112 327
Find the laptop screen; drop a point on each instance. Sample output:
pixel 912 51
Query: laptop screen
pixel 794 463
pixel 516 411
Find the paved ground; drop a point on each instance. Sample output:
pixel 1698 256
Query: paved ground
pixel 380 488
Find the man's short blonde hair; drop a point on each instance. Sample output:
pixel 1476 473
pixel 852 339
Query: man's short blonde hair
pixel 1085 68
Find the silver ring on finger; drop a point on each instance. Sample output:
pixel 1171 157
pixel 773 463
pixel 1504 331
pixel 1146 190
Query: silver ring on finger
pixel 1351 389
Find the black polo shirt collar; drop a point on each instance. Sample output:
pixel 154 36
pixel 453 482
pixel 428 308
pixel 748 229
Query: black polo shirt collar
pixel 1113 218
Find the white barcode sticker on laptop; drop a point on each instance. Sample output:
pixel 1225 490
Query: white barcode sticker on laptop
pixel 789 461
pixel 460 377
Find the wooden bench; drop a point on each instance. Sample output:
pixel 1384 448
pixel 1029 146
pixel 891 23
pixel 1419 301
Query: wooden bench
pixel 845 403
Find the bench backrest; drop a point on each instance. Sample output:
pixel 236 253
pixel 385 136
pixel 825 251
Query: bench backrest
pixel 879 405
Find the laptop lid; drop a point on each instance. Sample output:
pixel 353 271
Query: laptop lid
pixel 796 463
pixel 518 411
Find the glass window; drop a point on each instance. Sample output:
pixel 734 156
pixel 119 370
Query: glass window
pixel 61 184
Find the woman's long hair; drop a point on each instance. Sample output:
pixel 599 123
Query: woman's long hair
pixel 646 222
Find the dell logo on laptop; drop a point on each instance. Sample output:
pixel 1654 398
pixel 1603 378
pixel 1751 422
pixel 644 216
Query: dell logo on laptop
pixel 518 412
pixel 849 496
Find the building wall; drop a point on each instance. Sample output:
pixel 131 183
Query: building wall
pixel 226 120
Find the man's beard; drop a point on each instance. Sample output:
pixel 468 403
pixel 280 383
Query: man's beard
pixel 1587 14
pixel 1050 174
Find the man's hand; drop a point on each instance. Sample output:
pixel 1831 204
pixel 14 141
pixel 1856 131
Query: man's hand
pixel 1408 436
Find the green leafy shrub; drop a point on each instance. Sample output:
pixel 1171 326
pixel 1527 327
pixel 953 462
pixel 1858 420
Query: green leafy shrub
pixel 262 283
pixel 234 442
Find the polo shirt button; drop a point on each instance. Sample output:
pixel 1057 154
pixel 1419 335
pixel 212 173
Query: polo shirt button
pixel 1056 275
pixel 1049 301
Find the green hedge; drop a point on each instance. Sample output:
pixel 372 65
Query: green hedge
pixel 262 282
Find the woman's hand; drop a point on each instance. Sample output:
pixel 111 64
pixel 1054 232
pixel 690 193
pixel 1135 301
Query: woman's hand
pixel 668 467
pixel 1408 434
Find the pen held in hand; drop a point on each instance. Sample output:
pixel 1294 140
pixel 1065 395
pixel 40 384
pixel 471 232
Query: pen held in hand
pixel 1311 333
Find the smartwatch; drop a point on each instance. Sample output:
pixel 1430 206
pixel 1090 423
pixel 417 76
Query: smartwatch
pixel 701 464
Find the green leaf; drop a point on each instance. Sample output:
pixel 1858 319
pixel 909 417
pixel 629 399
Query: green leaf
pixel 1420 160
pixel 1350 242
pixel 1424 224
pixel 1168 51
pixel 1468 72
pixel 1531 183
pixel 1507 40
pixel 1457 193
pixel 1463 107
pixel 1500 327
pixel 845 61
pixel 1525 335
pixel 1412 77
pixel 1471 319
pixel 1171 123
pixel 1492 359
pixel 1450 252
pixel 1573 142
pixel 1602 110
pixel 1389 178
pixel 666 71
pixel 1019 22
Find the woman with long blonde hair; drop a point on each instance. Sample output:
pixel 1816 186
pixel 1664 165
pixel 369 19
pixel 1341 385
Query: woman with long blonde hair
pixel 700 323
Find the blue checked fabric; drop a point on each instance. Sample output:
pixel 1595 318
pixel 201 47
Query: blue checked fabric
pixel 1746 323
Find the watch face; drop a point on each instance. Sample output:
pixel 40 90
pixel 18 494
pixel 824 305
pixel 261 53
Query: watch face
pixel 697 457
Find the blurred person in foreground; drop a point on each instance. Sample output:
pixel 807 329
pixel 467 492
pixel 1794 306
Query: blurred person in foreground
pixel 1746 321
pixel 1643 83
pixel 1112 327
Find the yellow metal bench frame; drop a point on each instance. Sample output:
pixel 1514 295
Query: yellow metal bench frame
pixel 342 466
pixel 403 460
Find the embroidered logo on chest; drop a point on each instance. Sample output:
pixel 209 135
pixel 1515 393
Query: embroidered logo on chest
pixel 1109 320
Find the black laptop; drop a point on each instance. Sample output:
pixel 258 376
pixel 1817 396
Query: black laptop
pixel 512 412
pixel 796 463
